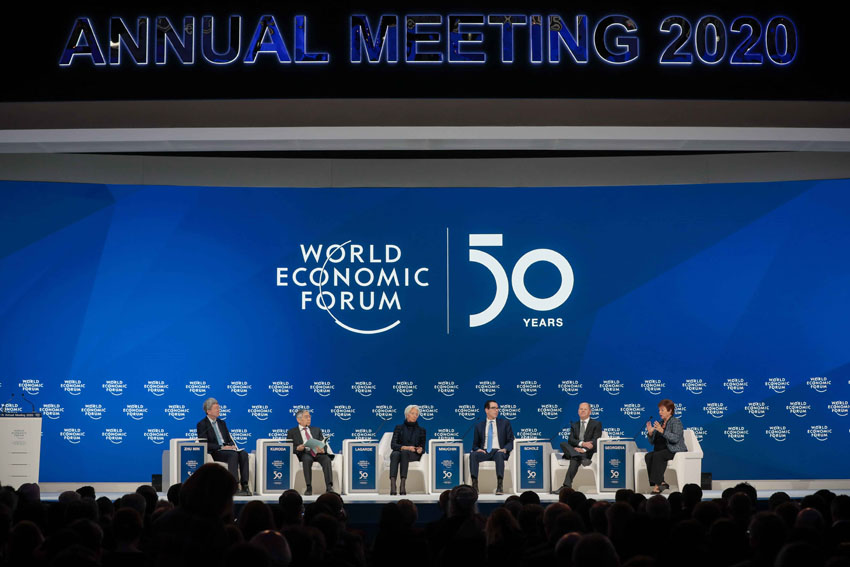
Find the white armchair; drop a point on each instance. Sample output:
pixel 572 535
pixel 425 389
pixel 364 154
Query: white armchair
pixel 418 472
pixel 487 475
pixel 318 476
pixel 586 478
pixel 685 468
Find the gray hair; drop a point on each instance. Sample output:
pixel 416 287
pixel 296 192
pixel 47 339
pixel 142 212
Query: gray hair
pixel 301 412
pixel 409 409
pixel 209 403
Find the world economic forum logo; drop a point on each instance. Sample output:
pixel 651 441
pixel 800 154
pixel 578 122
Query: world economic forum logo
pixel 115 387
pixel 446 433
pixel 156 387
pixel 322 388
pixel 177 412
pixel 296 408
pixel 405 387
pixel 73 387
pixel 570 387
pixel 757 409
pixel 800 409
pixel 736 433
pixel 384 411
pixel 517 281
pixel 353 282
pixel 820 432
pixel 239 387
pixel 446 387
pixel 596 410
pixel 612 387
pixel 135 411
pixel 428 412
pixel 260 411
pixel 778 432
pixel 487 387
pixel 467 411
pixel 735 385
pixel 632 411
pixel 699 432
pixel 528 387
pixel 31 386
pixel 241 435
pixel 72 435
pixel 156 435
pixel 550 411
pixel 362 433
pixel 509 411
pixel 198 387
pixel 114 435
pixel 694 385
pixel 529 433
pixel 778 385
pixel 51 411
pixel 653 385
pixel 343 412
pixel 819 383
pixel 715 409
pixel 839 407
pixel 615 432
pixel 93 411
pixel 280 388
pixel 364 387
pixel 277 433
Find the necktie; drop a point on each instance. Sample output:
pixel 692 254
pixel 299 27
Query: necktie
pixel 218 433
pixel 307 438
pixel 490 437
pixel 582 430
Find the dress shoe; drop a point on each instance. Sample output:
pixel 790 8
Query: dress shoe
pixel 308 491
pixel 665 486
pixel 402 489
pixel 499 489
pixel 475 484
pixel 331 489
pixel 585 462
pixel 393 490
pixel 244 492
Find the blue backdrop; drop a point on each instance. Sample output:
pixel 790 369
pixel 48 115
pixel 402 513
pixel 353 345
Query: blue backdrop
pixel 123 307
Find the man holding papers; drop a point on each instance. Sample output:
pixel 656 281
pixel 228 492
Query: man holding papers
pixel 221 445
pixel 310 445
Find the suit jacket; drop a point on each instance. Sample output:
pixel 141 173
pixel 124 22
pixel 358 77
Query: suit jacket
pixel 205 431
pixel 298 439
pixel 503 431
pixel 592 432
pixel 674 433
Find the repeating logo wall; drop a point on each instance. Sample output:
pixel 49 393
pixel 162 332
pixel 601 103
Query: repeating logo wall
pixel 356 303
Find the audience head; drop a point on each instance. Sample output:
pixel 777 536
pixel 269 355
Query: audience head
pixel 595 550
pixel 254 518
pixel 209 492
pixel 275 545
pixel 293 507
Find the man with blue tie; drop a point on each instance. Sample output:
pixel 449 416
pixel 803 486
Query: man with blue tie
pixel 493 440
pixel 221 445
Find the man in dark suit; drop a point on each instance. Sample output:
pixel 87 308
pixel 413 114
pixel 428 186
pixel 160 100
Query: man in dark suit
pixel 581 445
pixel 221 445
pixel 493 440
pixel 301 435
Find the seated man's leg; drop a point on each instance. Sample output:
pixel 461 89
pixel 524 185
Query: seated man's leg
pixel 327 470
pixel 244 473
pixel 231 459
pixel 500 457
pixel 307 467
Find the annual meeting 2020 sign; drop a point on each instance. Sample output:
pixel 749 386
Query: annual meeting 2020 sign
pixel 124 307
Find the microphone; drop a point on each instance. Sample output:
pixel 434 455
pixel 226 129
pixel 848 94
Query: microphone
pixel 468 429
pixel 383 423
pixel 12 397
pixel 32 405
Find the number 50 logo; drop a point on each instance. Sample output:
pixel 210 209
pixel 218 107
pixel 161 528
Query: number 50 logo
pixel 517 278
